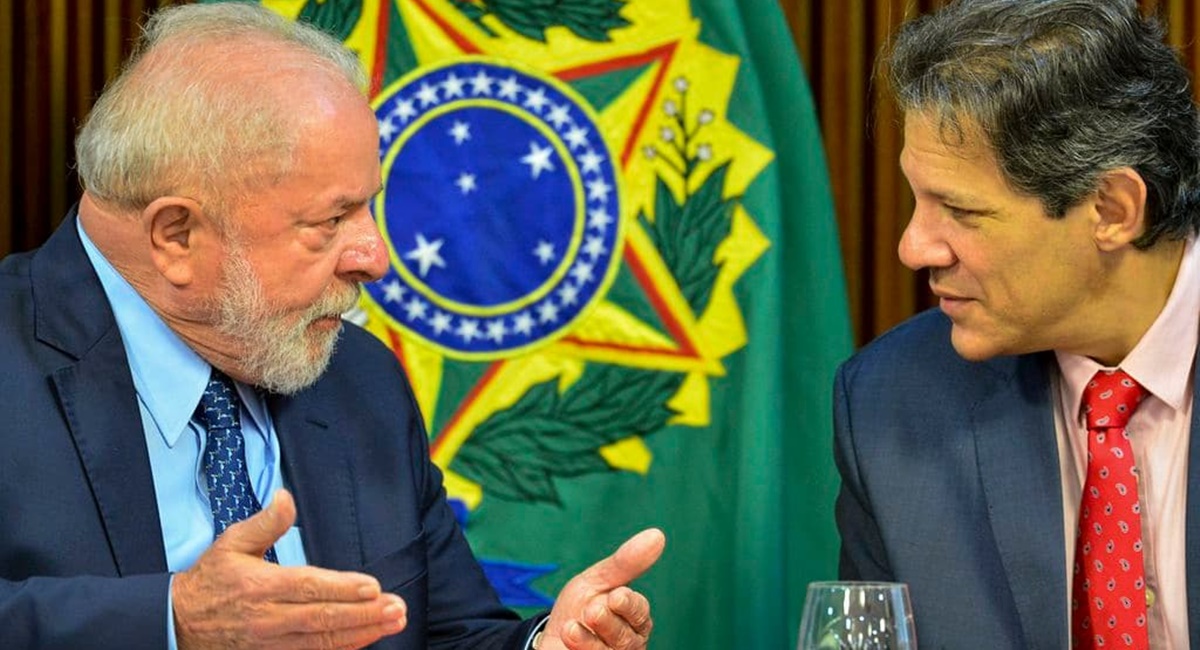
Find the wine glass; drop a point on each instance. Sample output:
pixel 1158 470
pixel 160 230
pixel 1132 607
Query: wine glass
pixel 857 616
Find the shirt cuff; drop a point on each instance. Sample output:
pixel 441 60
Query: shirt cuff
pixel 532 634
pixel 171 643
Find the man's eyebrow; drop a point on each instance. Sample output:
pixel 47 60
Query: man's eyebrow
pixel 950 197
pixel 352 201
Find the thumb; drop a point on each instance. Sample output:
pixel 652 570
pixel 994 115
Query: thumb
pixel 254 535
pixel 630 561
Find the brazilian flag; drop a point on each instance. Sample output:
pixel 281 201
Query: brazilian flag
pixel 616 288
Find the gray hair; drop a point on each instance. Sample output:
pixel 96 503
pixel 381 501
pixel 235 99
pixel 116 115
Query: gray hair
pixel 1062 91
pixel 179 119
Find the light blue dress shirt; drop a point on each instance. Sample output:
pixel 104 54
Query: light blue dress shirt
pixel 169 378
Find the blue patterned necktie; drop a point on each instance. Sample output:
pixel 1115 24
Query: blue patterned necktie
pixel 224 460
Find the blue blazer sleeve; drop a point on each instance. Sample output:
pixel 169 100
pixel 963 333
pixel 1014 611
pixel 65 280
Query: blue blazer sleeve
pixel 84 612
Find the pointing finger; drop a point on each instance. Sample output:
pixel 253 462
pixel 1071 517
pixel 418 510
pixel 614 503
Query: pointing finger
pixel 630 561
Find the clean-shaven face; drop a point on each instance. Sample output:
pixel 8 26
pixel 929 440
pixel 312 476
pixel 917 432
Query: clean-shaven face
pixel 1011 278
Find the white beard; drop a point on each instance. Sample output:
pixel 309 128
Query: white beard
pixel 279 351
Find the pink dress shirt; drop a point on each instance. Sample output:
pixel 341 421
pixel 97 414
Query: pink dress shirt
pixel 1161 427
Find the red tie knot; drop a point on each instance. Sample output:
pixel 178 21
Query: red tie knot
pixel 1110 398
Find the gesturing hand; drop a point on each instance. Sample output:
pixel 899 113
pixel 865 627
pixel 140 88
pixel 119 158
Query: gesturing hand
pixel 597 611
pixel 232 598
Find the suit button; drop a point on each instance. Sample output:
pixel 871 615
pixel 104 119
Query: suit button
pixel 1150 598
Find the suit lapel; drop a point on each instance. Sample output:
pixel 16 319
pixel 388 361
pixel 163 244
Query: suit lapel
pixel 318 471
pixel 97 397
pixel 98 400
pixel 1019 469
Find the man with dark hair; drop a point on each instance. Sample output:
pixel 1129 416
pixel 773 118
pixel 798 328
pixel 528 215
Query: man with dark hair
pixel 175 369
pixel 1020 457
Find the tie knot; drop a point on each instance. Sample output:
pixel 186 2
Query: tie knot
pixel 218 408
pixel 1110 399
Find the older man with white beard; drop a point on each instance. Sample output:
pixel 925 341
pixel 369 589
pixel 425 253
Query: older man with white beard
pixel 169 361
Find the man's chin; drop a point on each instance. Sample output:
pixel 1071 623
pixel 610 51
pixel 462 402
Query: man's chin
pixel 292 368
pixel 321 344
pixel 973 346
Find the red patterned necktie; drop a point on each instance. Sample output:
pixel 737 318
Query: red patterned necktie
pixel 1108 601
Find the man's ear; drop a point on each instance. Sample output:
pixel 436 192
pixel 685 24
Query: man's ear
pixel 173 223
pixel 1120 208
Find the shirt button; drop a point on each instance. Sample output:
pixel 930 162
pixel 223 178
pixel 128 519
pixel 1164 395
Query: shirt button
pixel 1150 598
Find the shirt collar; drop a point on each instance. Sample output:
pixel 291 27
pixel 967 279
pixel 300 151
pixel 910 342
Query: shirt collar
pixel 1154 361
pixel 169 377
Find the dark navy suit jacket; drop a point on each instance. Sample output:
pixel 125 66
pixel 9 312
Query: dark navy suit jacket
pixel 82 563
pixel 951 483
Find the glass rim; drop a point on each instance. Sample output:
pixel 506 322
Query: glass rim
pixel 859 584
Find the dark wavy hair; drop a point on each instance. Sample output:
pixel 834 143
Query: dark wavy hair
pixel 1063 91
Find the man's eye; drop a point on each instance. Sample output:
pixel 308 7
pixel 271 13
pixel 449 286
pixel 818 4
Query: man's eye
pixel 960 213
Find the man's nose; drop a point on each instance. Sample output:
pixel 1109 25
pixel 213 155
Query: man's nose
pixel 365 256
pixel 923 245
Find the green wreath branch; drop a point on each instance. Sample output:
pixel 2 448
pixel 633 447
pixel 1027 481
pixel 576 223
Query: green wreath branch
pixel 588 19
pixel 518 453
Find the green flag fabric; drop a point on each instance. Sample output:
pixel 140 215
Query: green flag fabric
pixel 616 289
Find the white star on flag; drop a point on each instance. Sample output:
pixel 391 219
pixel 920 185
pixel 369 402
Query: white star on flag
pixel 577 137
pixel 440 322
pixel 481 83
pixel 594 247
pixel 548 312
pixel 496 330
pixel 582 272
pixel 598 190
pixel 509 88
pixel 405 110
pixel 415 309
pixel 393 291
pixel 544 252
pixel 453 86
pixel 468 330
pixel 426 254
pixel 536 100
pixel 568 294
pixel 590 161
pixel 427 94
pixel 598 218
pixel 461 132
pixel 538 159
pixel 559 115
pixel 466 183
pixel 523 323
pixel 387 129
